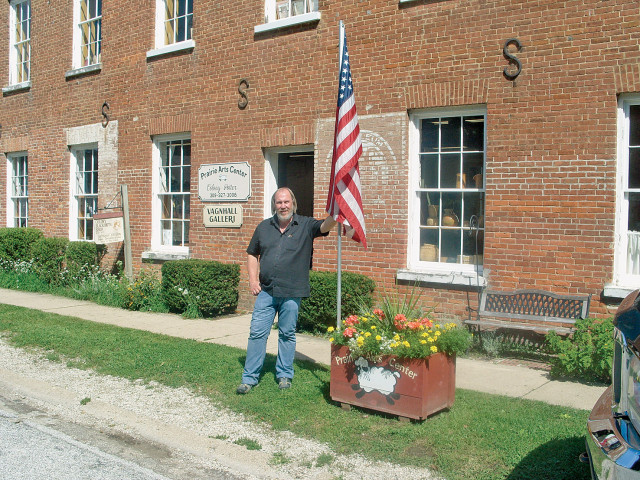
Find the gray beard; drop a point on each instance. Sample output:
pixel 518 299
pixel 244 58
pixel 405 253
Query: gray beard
pixel 285 218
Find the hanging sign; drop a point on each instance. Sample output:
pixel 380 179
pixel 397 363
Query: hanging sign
pixel 222 216
pixel 108 227
pixel 224 182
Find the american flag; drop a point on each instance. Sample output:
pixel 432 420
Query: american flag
pixel 344 202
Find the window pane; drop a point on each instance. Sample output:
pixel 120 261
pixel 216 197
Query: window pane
pixel 471 166
pixel 634 167
pixel 429 135
pixel 634 125
pixel 451 246
pixel 450 133
pixel 634 212
pixel 473 133
pixel 449 170
pixel 428 171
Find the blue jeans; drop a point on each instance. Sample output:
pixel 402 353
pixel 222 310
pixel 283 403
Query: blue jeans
pixel 264 313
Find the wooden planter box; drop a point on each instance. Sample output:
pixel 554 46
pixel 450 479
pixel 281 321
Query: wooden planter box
pixel 407 387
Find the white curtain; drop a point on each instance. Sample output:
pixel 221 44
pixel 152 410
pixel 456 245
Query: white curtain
pixel 633 253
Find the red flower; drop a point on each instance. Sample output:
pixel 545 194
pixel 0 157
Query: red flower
pixel 348 332
pixel 351 320
pixel 379 313
pixel 426 322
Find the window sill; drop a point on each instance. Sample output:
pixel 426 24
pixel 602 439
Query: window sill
pixel 452 278
pixel 174 47
pixel 18 87
pixel 617 291
pixel 164 256
pixel 76 72
pixel 287 22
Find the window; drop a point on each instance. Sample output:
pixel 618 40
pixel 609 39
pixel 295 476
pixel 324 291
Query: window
pixel 172 185
pixel 627 253
pixel 279 9
pixel 18 207
pixel 84 203
pixel 282 13
pixel 88 36
pixel 447 172
pixel 20 37
pixel 174 24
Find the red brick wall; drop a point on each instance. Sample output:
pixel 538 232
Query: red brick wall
pixel 551 134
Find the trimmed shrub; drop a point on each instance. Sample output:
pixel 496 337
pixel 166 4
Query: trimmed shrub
pixel 200 287
pixel 48 255
pixel 318 311
pixel 79 256
pixel 586 354
pixel 15 243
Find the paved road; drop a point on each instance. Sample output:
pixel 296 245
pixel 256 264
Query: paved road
pixel 37 446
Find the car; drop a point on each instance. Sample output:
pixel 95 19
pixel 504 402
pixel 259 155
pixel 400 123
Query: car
pixel 613 438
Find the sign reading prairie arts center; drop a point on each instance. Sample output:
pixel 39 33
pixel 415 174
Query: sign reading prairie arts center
pixel 222 216
pixel 224 182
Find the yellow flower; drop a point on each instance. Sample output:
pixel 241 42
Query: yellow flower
pixel 425 334
pixel 367 334
pixel 360 340
pixel 438 333
pixel 378 337
pixel 365 319
pixel 373 327
pixel 434 349
pixel 396 337
pixel 331 340
pixel 394 345
pixel 406 344
pixel 423 342
pixel 431 339
pixel 330 329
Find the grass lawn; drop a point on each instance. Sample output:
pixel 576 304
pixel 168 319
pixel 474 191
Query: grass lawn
pixel 481 437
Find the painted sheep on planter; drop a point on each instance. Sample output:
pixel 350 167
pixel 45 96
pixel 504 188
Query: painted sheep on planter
pixel 375 379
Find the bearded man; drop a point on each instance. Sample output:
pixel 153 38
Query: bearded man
pixel 278 263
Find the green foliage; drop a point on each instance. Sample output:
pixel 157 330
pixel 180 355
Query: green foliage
pixel 407 304
pixel 373 335
pixel 200 287
pixel 48 256
pixel 318 311
pixel 79 256
pixel 587 353
pixel 15 243
pixel 143 294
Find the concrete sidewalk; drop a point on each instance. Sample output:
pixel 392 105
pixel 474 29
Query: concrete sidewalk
pixel 483 376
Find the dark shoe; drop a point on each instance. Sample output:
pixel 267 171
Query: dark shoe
pixel 284 383
pixel 244 388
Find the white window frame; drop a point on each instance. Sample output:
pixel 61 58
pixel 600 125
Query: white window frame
pixel 432 271
pixel 158 243
pixel 14 197
pixel 17 73
pixel 77 191
pixel 80 59
pixel 161 45
pixel 284 13
pixel 623 281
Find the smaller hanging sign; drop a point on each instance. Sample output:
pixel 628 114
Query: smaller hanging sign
pixel 222 216
pixel 108 227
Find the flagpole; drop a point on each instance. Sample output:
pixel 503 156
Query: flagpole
pixel 339 291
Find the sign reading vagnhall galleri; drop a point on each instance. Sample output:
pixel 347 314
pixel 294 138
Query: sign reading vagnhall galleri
pixel 222 216
pixel 108 228
pixel 224 182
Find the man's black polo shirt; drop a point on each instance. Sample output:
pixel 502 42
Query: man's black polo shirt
pixel 285 257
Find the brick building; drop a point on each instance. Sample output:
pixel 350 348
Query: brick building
pixel 501 138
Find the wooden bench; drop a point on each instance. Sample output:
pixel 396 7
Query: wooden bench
pixel 535 310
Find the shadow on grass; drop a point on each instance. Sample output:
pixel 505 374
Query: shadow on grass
pixel 554 460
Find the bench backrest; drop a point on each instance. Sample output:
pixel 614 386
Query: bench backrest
pixel 534 304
